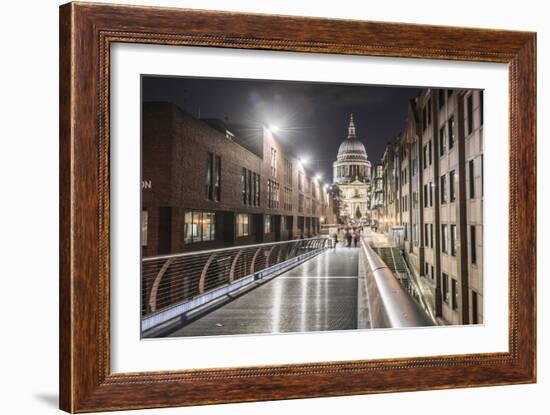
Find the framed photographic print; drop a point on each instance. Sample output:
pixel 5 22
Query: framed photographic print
pixel 261 207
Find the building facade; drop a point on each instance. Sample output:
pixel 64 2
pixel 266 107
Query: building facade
pixel 206 185
pixel 377 196
pixel 433 193
pixel 352 174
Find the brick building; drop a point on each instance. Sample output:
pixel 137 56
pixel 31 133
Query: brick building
pixel 433 194
pixel 206 184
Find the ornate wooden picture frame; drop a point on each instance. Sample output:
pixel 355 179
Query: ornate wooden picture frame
pixel 87 32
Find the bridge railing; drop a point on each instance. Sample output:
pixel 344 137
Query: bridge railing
pixel 390 304
pixel 168 280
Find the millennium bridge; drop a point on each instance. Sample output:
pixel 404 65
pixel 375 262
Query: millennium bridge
pixel 292 286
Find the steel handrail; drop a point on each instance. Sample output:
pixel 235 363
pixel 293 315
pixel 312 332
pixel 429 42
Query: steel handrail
pixel 390 305
pixel 226 249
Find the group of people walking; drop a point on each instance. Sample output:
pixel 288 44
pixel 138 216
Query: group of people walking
pixel 351 237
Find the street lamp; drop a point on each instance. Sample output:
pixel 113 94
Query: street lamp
pixel 274 129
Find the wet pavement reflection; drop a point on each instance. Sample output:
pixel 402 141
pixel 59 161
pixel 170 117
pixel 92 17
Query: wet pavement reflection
pixel 318 295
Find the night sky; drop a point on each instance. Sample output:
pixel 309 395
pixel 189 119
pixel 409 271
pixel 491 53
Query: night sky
pixel 312 117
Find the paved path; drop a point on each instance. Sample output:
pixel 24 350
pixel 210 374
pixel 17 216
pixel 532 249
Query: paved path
pixel 318 295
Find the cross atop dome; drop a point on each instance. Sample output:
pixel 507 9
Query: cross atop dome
pixel 351 128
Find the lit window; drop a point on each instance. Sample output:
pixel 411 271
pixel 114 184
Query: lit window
pixel 444 238
pixel 445 287
pixel 267 223
pixel 243 224
pixel 453 240
pixel 454 296
pixel 199 226
pixel 452 186
pixel 144 226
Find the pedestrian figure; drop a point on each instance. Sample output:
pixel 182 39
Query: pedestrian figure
pixel 301 234
pixel 356 238
pixel 335 239
pixel 348 237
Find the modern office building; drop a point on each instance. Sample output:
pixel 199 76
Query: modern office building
pixel 433 199
pixel 208 184
pixel 352 175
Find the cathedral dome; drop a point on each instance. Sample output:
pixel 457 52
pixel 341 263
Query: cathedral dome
pixel 352 164
pixel 351 148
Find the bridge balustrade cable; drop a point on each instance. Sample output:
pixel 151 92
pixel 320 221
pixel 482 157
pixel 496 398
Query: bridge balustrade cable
pixel 174 279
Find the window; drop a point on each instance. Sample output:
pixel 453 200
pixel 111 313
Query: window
pixel 470 114
pixel 243 224
pixel 267 223
pixel 471 179
pixel 426 235
pixel 445 286
pixel 475 318
pixel 243 186
pixel 415 233
pixel 250 188
pixel 429 111
pixel 426 269
pixel 449 92
pixel 480 108
pixel 453 240
pixel 431 236
pixel 442 147
pixel 300 203
pixel 441 98
pixel 473 252
pixel 288 172
pixel 300 181
pixel 431 188
pixel 452 186
pixel 425 195
pixel 444 247
pixel 432 274
pixel 218 179
pixel 451 132
pixel 272 194
pixel 199 226
pixel 443 185
pixel 144 226
pixel 256 189
pixel 273 162
pixel 425 156
pixel 454 294
pixel 287 198
pixel 430 151
pixel 209 179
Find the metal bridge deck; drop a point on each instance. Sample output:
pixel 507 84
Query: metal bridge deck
pixel 318 295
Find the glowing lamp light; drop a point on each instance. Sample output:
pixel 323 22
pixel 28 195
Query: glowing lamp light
pixel 304 160
pixel 274 129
